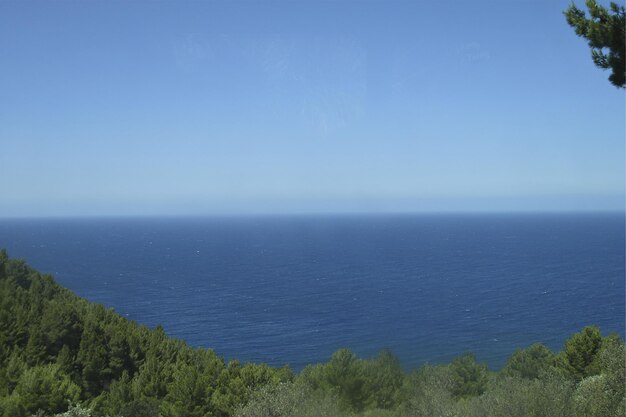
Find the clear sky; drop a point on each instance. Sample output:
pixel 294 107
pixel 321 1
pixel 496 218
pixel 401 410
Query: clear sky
pixel 148 108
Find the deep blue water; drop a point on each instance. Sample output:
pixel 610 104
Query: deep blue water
pixel 295 289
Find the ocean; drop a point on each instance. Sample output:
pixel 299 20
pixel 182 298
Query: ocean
pixel 293 289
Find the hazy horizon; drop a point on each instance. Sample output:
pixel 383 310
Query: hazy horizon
pixel 318 214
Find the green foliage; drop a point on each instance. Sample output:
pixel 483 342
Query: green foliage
pixel 529 363
pixel 612 361
pixel 4 258
pixel 92 358
pixel 289 400
pixel 17 271
pixel 344 373
pixel 383 381
pixel 115 400
pixel 581 355
pixel 358 385
pixel 604 395
pixel 75 411
pixel 142 407
pixel 429 391
pixel 343 376
pixel 517 397
pixel 57 349
pixel 11 373
pixel 589 399
pixel 604 30
pixel 470 378
pixel 45 387
pixel 61 326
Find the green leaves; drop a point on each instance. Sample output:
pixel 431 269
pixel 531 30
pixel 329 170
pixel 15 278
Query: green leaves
pixel 529 363
pixel 57 349
pixel 580 357
pixel 470 378
pixel 604 30
pixel 45 387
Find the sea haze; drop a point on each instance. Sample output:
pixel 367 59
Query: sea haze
pixel 294 289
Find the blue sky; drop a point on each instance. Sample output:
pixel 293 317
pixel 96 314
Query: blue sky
pixel 133 108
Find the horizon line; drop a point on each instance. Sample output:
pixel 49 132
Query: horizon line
pixel 314 214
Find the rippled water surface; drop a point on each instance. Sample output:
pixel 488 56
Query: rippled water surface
pixel 294 289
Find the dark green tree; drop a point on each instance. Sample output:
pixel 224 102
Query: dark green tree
pixel 18 271
pixel 93 358
pixel 604 31
pixel 152 378
pixel 4 258
pixel 470 378
pixel 119 353
pixel 35 351
pixel 581 355
pixel 383 381
pixel 343 376
pixel 188 393
pixel 46 387
pixel 62 326
pixel 529 363
pixel 10 375
pixel 344 373
pixel 118 396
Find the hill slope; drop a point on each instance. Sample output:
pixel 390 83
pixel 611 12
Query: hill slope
pixel 57 350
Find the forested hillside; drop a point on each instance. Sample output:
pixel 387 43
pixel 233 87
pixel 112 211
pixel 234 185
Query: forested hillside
pixel 62 355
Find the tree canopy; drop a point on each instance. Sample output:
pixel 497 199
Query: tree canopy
pixel 604 30
pixel 62 356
